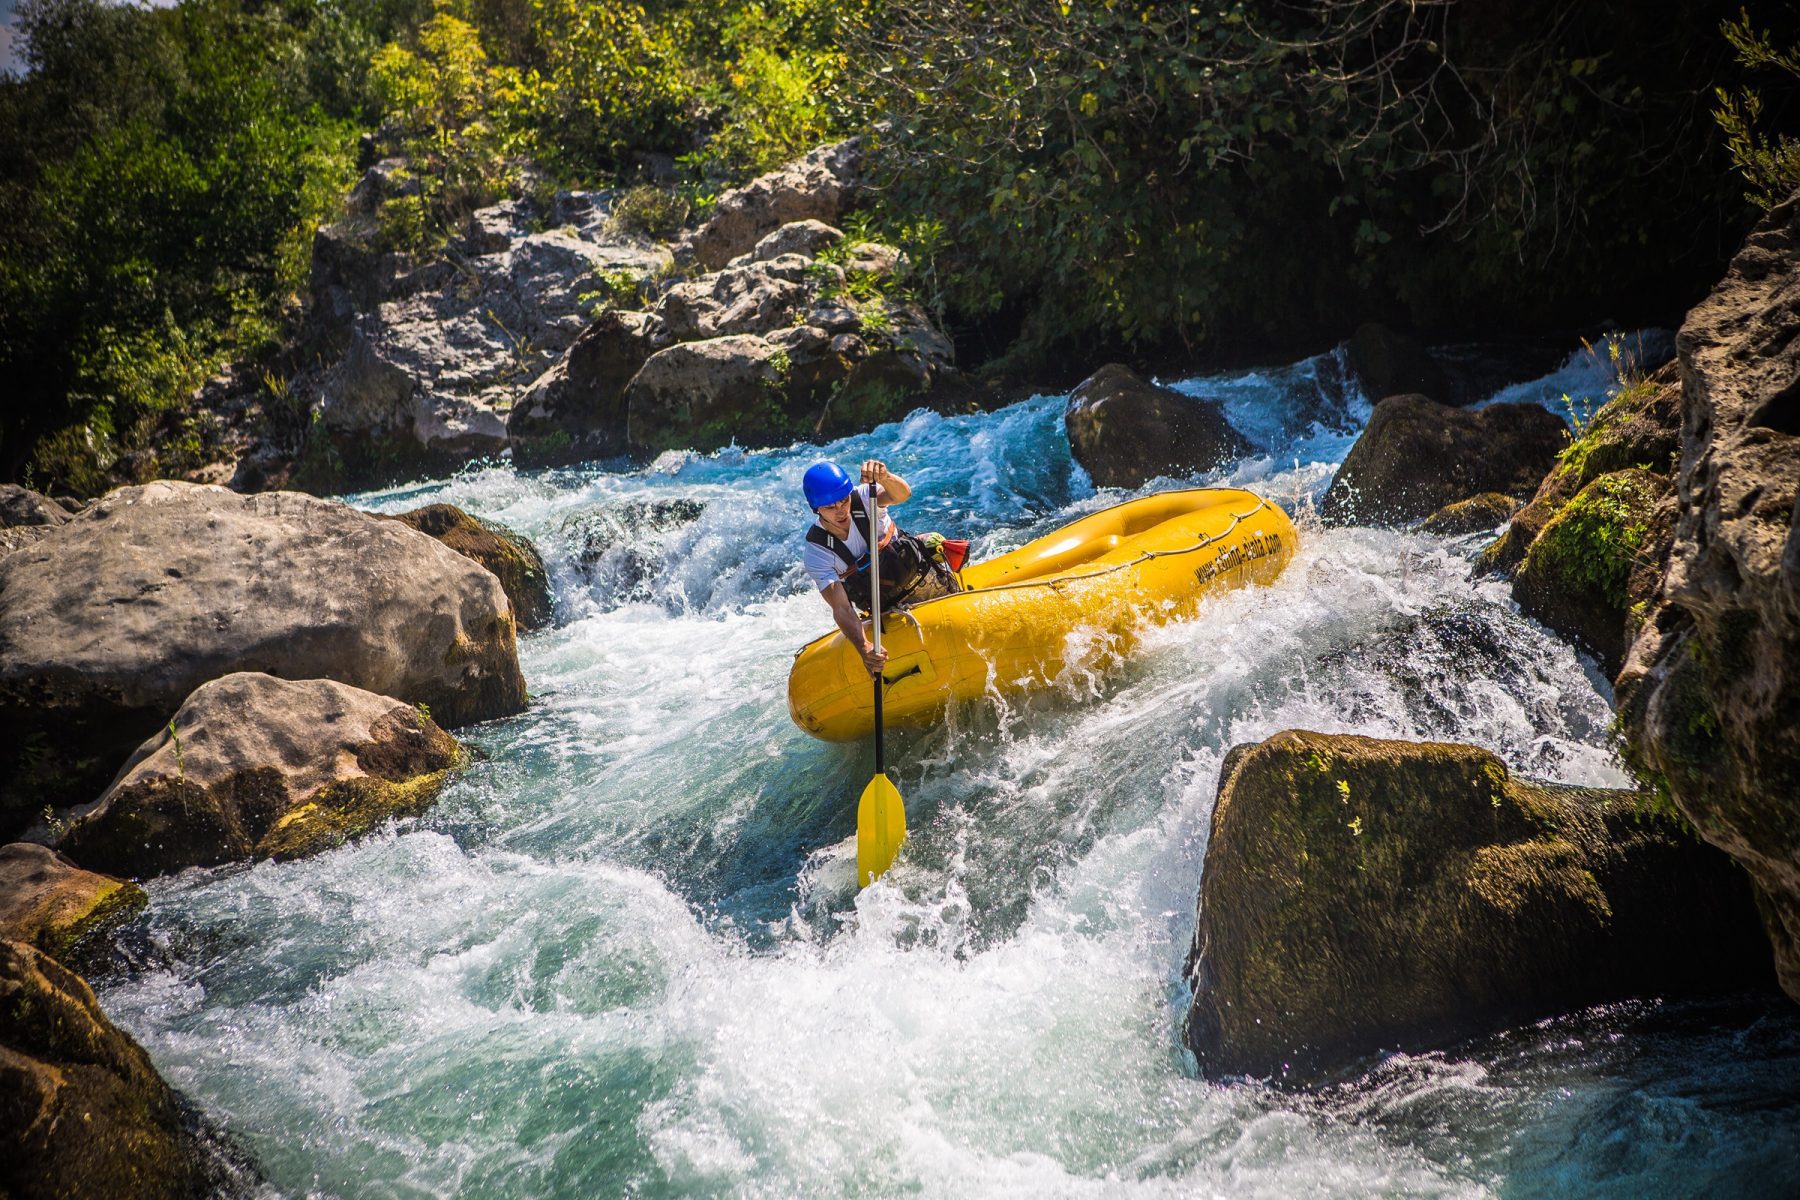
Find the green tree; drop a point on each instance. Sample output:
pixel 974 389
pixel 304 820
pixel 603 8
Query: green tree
pixel 1768 160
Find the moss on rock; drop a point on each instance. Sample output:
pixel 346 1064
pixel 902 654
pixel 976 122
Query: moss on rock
pixel 1360 894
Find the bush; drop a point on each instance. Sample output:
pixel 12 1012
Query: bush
pixel 651 212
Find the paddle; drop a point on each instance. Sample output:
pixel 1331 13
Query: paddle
pixel 881 813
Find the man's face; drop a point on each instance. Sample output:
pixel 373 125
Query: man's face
pixel 839 513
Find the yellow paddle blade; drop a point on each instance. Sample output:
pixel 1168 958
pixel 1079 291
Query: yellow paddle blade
pixel 880 828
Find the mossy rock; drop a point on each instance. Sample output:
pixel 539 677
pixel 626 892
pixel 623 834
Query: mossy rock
pixel 83 1111
pixel 1360 895
pixel 257 767
pixel 1639 428
pixel 49 902
pixel 511 557
pixel 1489 510
pixel 1578 574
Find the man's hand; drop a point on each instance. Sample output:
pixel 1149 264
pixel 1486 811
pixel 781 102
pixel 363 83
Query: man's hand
pixel 873 658
pixel 874 471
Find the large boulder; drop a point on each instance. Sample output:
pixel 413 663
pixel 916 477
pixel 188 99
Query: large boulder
pixel 512 558
pixel 252 766
pixel 820 186
pixel 1417 455
pixel 1387 363
pixel 49 902
pixel 575 411
pixel 1125 431
pixel 109 622
pixel 82 1110
pixel 1711 688
pixel 1360 894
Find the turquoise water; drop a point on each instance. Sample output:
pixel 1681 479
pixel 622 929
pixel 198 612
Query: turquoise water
pixel 623 956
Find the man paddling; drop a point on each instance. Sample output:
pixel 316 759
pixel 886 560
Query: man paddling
pixel 914 568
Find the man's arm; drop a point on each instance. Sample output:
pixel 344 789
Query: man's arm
pixel 844 613
pixel 889 487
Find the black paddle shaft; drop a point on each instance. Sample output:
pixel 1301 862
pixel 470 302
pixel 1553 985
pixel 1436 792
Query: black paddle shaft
pixel 875 621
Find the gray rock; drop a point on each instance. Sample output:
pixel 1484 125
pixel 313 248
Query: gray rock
pixel 1125 431
pixel 110 621
pixel 804 238
pixel 436 356
pixel 576 410
pixel 699 394
pixel 1711 686
pixel 21 507
pixel 820 186
pixel 758 297
pixel 388 179
pixel 252 766
pixel 511 557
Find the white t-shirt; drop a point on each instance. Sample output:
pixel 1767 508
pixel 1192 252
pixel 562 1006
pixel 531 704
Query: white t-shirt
pixel 824 566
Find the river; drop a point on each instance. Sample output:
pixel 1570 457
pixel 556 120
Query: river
pixel 624 955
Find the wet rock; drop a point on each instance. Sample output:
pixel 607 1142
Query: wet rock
pixel 1361 895
pixel 820 186
pixel 48 902
pixel 83 1111
pixel 1417 455
pixel 257 767
pixel 1597 559
pixel 511 557
pixel 1490 510
pixel 1125 431
pixel 109 622
pixel 1387 363
pixel 1638 428
pixel 1711 686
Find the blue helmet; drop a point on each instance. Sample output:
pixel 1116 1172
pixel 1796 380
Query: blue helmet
pixel 825 483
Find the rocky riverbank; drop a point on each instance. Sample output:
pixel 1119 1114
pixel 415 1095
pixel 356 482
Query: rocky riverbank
pixel 202 677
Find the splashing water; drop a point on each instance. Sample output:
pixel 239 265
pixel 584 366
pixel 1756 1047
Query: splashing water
pixel 624 954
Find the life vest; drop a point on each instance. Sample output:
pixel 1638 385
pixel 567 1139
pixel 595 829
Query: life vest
pixel 904 559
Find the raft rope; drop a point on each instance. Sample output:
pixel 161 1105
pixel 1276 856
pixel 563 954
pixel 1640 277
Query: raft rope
pixel 1058 582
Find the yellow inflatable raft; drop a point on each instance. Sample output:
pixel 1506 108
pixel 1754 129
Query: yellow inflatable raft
pixel 1147 560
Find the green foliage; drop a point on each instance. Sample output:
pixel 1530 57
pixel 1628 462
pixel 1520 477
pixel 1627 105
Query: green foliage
pixel 652 212
pixel 158 197
pixel 600 82
pixel 1595 540
pixel 1630 387
pixel 450 106
pixel 1769 162
pixel 1176 174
